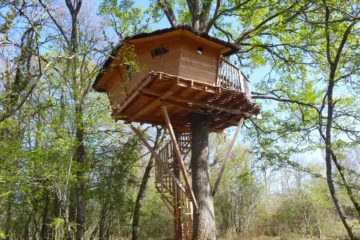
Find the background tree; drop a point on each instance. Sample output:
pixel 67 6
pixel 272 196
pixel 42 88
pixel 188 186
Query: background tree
pixel 276 188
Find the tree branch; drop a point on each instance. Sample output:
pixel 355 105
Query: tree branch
pixel 168 11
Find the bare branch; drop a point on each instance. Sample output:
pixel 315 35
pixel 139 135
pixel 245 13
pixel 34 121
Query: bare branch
pixel 169 12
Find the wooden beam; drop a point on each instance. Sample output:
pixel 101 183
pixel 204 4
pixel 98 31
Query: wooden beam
pixel 184 105
pixel 167 204
pixel 155 155
pixel 178 155
pixel 145 81
pixel 194 102
pixel 153 104
pixel 227 156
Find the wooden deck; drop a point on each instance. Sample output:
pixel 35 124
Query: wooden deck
pixel 182 96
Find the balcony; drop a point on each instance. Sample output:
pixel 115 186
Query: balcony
pixel 230 77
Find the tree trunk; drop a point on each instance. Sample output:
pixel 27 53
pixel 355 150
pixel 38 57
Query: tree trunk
pixel 336 202
pixel 177 204
pixel 102 227
pixel 204 221
pixel 346 184
pixel 74 8
pixel 327 137
pixel 142 190
pixel 80 181
pixel 45 216
pixel 328 148
pixel 8 218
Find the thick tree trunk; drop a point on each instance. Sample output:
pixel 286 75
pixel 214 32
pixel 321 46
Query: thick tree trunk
pixel 142 190
pixel 204 221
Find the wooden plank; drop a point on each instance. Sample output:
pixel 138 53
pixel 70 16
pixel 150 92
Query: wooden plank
pixel 167 204
pixel 185 106
pixel 133 95
pixel 227 156
pixel 196 103
pixel 153 104
pixel 179 156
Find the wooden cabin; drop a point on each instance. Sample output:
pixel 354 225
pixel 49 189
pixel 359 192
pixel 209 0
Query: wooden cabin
pixel 180 68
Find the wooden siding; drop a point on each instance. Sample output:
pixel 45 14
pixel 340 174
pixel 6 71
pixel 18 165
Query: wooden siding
pixel 202 68
pixel 118 84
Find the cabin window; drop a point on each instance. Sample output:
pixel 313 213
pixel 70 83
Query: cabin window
pixel 200 50
pixel 159 52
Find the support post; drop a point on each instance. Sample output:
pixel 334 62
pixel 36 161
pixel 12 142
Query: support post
pixel 179 157
pixel 227 156
pixel 177 203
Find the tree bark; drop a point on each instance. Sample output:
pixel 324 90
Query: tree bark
pixel 204 221
pixel 102 226
pixel 45 216
pixel 8 218
pixel 80 181
pixel 142 190
pixel 327 136
pixel 74 8
pixel 346 184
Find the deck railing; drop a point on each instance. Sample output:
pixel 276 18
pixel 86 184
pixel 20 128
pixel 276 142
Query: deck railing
pixel 231 77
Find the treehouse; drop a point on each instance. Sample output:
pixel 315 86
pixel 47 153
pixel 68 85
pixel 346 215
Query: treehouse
pixel 186 71
pixel 160 78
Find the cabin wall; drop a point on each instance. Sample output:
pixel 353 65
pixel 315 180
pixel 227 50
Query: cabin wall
pixel 181 59
pixel 202 68
pixel 120 86
pixel 168 62
pixel 117 88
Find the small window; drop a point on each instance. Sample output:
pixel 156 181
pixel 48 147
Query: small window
pixel 159 52
pixel 200 50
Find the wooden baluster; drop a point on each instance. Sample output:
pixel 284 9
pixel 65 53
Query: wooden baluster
pixel 242 87
pixel 227 76
pixel 222 73
pixel 234 78
pixel 237 80
pixel 230 75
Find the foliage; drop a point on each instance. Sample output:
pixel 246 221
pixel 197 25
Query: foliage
pixel 48 115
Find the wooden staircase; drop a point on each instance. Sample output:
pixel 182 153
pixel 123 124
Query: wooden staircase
pixel 171 188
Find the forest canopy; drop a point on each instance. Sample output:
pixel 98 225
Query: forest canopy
pixel 69 171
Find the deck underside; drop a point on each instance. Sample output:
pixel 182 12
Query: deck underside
pixel 181 97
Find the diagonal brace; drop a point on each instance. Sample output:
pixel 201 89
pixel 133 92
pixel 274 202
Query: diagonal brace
pixel 155 155
pixel 227 156
pixel 179 156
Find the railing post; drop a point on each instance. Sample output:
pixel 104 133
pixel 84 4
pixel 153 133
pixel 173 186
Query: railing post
pixel 242 83
pixel 217 80
pixel 230 76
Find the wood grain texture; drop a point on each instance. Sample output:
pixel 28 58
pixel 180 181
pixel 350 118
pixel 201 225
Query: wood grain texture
pixel 182 97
